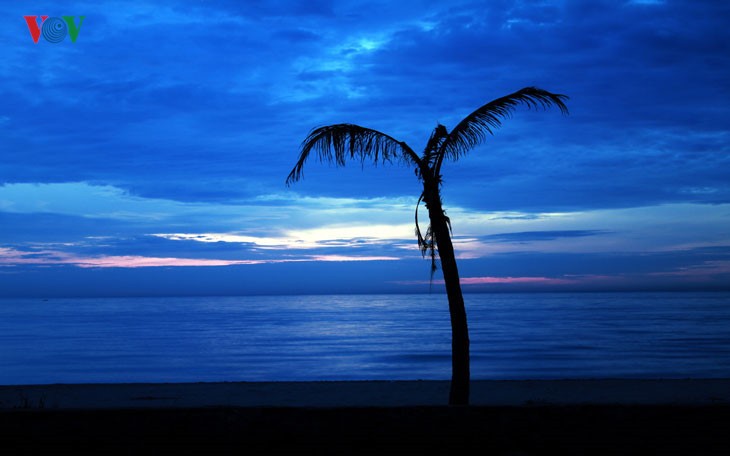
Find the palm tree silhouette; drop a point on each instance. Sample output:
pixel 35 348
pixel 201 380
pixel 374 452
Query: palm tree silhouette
pixel 337 143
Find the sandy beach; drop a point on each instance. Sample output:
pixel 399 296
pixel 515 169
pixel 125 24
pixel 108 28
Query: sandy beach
pixel 689 392
pixel 506 417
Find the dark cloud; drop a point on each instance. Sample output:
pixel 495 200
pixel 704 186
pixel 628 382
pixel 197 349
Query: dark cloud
pixel 220 93
pixel 57 228
pixel 528 236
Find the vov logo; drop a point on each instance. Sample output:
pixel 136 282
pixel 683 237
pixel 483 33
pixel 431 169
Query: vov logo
pixel 54 29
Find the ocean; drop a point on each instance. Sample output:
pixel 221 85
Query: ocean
pixel 362 337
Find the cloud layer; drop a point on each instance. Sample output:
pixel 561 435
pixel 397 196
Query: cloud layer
pixel 161 138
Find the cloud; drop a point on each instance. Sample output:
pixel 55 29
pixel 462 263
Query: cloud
pixel 323 237
pixel 12 257
pixel 152 116
pixel 182 121
pixel 81 199
pixel 498 280
pixel 525 236
pixel 696 269
pixel 105 220
pixel 719 269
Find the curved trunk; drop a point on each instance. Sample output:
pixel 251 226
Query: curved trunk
pixel 459 393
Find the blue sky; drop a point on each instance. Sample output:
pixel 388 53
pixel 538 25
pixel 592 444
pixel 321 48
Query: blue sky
pixel 149 156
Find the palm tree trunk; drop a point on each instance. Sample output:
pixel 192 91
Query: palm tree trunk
pixel 459 393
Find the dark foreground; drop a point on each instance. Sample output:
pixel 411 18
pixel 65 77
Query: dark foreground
pixel 484 430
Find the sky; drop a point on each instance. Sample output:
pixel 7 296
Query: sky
pixel 148 157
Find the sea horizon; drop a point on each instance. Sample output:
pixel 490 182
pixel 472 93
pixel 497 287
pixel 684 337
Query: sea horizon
pixel 527 291
pixel 362 337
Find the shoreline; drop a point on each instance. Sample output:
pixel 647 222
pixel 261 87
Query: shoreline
pixel 376 393
pixel 508 418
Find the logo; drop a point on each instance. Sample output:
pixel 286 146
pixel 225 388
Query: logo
pixel 54 29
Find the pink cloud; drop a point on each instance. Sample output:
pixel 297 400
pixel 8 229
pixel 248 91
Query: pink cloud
pixel 144 262
pixel 12 257
pixel 485 280
pixel 698 272
pixel 497 280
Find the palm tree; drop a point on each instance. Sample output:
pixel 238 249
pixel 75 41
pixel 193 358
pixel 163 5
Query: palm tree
pixel 337 143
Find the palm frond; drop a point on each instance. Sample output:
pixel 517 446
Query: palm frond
pixel 473 129
pixel 437 139
pixel 337 143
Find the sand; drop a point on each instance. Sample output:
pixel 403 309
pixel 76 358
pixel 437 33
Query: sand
pixel 401 417
pixel 365 394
